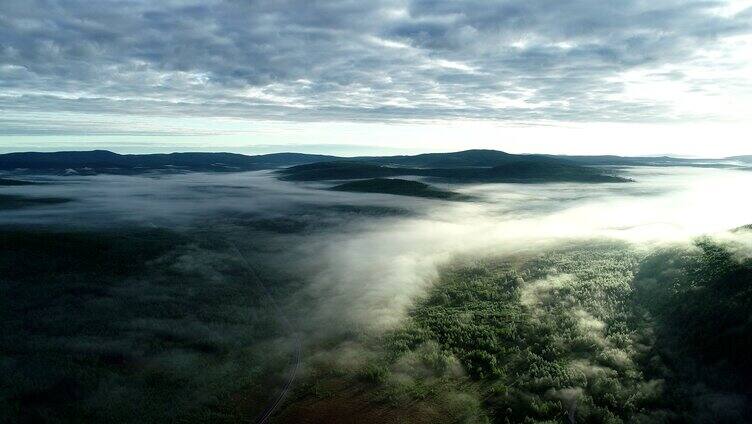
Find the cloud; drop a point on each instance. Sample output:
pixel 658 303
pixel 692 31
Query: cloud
pixel 378 61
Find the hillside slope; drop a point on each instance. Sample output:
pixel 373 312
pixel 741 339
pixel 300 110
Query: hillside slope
pixel 103 161
pixel 398 187
pixel 527 170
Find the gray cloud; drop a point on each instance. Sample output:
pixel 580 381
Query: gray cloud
pixel 354 61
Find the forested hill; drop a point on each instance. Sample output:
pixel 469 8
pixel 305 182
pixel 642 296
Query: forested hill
pixel 529 169
pixel 103 161
pixel 398 187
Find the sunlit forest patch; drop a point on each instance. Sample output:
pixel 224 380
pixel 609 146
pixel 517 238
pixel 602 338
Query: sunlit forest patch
pixel 589 332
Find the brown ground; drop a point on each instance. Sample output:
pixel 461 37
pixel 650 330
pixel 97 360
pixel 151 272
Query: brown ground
pixel 351 404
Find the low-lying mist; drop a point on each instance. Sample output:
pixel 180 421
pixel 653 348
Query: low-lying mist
pixel 370 271
pixel 190 319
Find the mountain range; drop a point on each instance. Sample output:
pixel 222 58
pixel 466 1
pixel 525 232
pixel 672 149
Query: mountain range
pixel 103 161
pixel 468 166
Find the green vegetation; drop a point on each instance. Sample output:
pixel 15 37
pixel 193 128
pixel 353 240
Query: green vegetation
pixel 700 300
pixel 398 187
pixel 142 325
pixel 42 255
pixel 545 338
pixel 591 333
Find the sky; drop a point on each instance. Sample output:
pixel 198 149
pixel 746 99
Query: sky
pixel 632 77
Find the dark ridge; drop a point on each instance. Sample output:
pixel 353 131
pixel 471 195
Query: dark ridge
pixel 539 169
pixel 11 201
pixel 466 158
pixel 527 170
pixel 547 170
pixel 102 161
pixel 397 187
pixel 5 182
pixel 344 170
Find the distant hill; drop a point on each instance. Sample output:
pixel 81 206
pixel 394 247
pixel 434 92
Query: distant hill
pixel 610 160
pixel 529 169
pixel 466 158
pixel 340 170
pixel 491 158
pixel 747 159
pixel 103 161
pixel 398 187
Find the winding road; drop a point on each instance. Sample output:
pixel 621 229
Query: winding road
pixel 267 413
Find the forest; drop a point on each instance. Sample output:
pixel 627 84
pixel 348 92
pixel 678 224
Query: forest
pixel 225 297
pixel 593 332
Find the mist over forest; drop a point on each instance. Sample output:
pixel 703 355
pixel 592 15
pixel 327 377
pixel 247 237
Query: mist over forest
pixel 242 296
pixel 375 212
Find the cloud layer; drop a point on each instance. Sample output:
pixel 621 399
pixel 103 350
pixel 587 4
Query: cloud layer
pixel 581 60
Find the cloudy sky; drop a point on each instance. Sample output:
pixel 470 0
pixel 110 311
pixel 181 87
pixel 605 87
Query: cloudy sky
pixel 581 76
